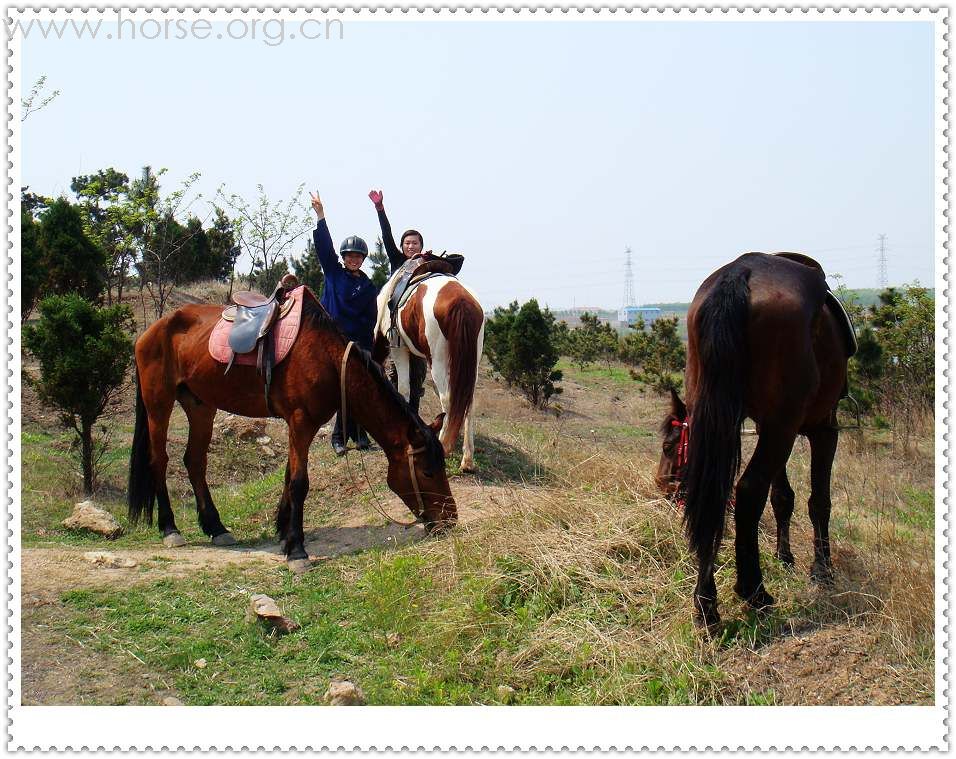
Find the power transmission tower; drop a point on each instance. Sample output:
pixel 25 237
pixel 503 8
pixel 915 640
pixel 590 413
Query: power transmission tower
pixel 628 280
pixel 882 252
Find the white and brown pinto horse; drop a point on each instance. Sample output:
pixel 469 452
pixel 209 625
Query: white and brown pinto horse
pixel 443 323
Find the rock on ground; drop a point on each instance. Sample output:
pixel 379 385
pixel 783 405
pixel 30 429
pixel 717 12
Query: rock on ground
pixel 242 428
pixel 86 516
pixel 264 608
pixel 344 693
pixel 106 559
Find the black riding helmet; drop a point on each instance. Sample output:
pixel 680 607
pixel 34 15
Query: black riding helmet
pixel 353 244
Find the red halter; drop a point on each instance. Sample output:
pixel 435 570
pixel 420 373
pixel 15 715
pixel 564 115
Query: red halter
pixel 683 443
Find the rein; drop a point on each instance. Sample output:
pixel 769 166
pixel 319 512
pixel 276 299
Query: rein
pixel 410 451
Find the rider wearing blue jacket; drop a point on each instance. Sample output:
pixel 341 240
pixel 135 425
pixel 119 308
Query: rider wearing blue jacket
pixel 349 297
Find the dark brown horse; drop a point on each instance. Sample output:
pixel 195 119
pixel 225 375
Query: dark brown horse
pixel 764 344
pixel 173 364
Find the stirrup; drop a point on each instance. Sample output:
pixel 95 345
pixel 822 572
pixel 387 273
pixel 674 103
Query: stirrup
pixel 394 338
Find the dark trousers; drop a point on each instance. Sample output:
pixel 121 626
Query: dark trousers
pixel 355 433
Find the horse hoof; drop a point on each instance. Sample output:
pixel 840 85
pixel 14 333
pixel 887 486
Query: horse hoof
pixel 299 566
pixel 224 539
pixel 787 560
pixel 708 621
pixel 468 468
pixel 758 600
pixel 174 540
pixel 821 575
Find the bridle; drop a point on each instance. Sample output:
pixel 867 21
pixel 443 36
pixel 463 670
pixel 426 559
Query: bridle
pixel 682 444
pixel 411 452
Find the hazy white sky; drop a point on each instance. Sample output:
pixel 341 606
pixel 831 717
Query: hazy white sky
pixel 539 149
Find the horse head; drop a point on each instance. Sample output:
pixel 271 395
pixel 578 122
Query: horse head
pixel 417 476
pixel 675 430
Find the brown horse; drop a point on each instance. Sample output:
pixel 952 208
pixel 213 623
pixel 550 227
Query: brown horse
pixel 173 364
pixel 764 344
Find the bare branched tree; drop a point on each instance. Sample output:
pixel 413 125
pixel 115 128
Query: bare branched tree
pixel 35 100
pixel 265 230
pixel 161 236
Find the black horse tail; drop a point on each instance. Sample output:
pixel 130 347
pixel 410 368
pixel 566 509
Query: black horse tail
pixel 141 491
pixel 713 456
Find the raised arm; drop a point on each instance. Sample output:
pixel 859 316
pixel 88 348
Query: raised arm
pixel 395 257
pixel 324 247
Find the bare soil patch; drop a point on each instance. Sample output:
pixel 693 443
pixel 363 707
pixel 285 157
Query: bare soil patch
pixel 837 666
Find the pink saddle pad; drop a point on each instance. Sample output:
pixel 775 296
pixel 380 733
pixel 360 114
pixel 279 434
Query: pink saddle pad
pixel 283 335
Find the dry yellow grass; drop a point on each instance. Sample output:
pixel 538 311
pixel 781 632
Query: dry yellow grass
pixel 596 562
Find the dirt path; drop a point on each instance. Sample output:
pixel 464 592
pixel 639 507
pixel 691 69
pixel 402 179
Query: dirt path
pixel 48 572
pixel 76 674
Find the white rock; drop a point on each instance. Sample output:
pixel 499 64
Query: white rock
pixel 106 559
pixel 505 693
pixel 86 516
pixel 200 663
pixel 172 701
pixel 264 608
pixel 344 693
pixel 263 440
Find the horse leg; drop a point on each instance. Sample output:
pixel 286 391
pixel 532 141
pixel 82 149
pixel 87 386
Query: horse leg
pixel 159 410
pixel 468 446
pixel 284 509
pixel 705 593
pixel 201 418
pixel 781 498
pixel 302 430
pixel 400 358
pixel 773 450
pixel 823 445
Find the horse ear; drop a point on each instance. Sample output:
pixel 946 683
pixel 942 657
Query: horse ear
pixel 436 425
pixel 678 409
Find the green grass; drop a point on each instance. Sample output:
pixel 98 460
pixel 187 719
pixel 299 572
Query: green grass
pixel 51 487
pixel 350 612
pixel 596 374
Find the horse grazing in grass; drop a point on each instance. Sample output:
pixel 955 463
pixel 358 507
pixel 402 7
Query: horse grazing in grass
pixel 766 340
pixel 442 322
pixel 173 363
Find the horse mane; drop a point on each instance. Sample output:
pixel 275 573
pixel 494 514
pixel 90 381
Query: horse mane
pixel 314 314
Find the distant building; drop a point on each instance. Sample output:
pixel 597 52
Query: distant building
pixel 631 315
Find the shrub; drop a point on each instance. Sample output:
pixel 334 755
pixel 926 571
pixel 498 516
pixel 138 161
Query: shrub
pixel 658 355
pixel 520 344
pixel 84 354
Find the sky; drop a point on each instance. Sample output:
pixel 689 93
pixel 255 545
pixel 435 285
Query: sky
pixel 539 149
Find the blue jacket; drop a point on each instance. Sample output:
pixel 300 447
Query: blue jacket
pixel 349 299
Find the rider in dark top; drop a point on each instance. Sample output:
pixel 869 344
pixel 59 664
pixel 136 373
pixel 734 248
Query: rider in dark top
pixel 349 297
pixel 412 244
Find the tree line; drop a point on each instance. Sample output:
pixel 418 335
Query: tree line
pixel 81 256
pixel 524 344
pixel 891 379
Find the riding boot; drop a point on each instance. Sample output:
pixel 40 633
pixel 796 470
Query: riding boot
pixel 338 438
pixel 416 381
pixel 361 439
